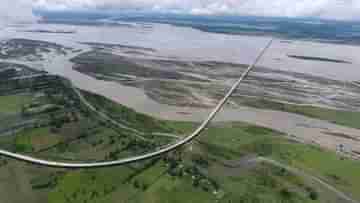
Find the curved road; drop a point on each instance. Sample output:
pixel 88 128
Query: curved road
pixel 167 149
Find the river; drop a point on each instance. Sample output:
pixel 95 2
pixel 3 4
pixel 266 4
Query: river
pixel 190 44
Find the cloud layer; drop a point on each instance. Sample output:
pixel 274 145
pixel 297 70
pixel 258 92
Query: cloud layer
pixel 339 9
pixel 16 11
pixel 21 10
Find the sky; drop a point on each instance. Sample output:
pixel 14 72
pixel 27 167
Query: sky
pixel 16 10
pixel 21 10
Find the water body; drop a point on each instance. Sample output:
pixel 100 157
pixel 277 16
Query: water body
pixel 190 44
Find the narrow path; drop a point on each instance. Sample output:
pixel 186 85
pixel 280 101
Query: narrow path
pixel 167 135
pixel 302 173
pixel 106 117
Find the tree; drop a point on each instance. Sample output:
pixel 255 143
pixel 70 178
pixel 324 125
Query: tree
pixel 286 194
pixel 313 195
pixel 136 184
pixel 144 186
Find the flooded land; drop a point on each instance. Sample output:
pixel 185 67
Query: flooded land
pixel 177 73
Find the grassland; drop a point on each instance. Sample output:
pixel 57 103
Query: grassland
pixel 35 140
pixel 241 139
pixel 220 176
pixel 129 116
pixel 346 118
pixel 13 103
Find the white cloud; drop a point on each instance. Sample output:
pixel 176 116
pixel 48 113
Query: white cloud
pixel 21 10
pixel 339 9
pixel 16 11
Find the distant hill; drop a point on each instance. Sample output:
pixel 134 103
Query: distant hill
pixel 344 32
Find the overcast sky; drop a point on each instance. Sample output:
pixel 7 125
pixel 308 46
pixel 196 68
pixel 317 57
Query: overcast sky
pixel 16 10
pixel 335 9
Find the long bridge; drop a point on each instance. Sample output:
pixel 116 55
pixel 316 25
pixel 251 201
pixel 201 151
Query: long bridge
pixel 150 155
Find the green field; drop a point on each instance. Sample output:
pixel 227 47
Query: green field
pixel 237 138
pixel 220 166
pixel 13 103
pixel 221 145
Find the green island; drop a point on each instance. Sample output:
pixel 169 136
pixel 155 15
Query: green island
pixel 313 58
